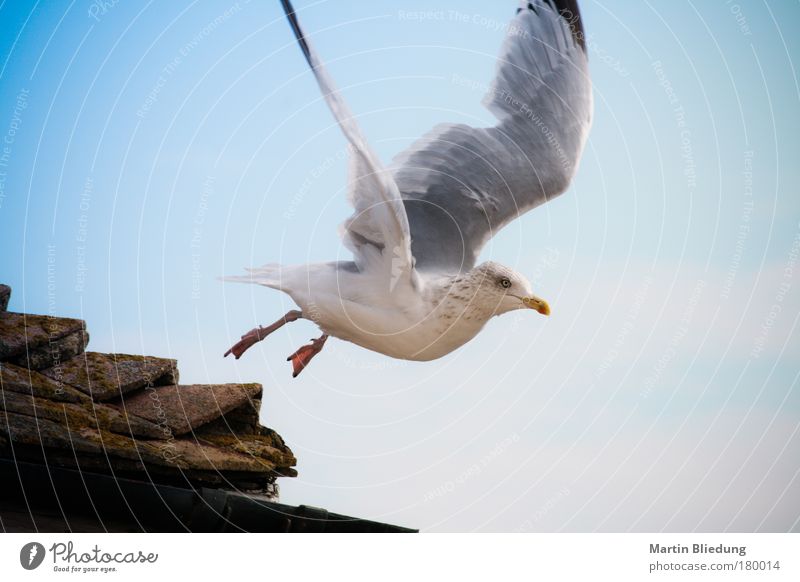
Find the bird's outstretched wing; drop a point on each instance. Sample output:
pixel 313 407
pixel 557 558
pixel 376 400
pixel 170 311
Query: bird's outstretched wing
pixel 377 232
pixel 461 184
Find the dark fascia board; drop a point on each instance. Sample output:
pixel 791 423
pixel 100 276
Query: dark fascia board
pixel 116 504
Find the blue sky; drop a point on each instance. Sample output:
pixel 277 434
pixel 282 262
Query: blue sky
pixel 151 147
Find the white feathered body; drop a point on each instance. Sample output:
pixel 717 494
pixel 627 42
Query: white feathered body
pixel 427 322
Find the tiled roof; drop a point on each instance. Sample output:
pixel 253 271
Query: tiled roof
pixel 126 415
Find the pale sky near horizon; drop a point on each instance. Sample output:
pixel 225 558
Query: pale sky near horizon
pixel 152 147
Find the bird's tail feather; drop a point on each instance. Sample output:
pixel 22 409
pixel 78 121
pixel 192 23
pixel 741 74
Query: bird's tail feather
pixel 267 275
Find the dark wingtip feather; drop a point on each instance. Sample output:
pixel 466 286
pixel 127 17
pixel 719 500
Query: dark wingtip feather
pixel 569 11
pixel 291 15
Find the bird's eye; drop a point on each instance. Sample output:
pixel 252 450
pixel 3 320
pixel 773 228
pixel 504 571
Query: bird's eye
pixel 505 283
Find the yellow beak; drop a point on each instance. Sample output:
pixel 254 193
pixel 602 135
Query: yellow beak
pixel 539 305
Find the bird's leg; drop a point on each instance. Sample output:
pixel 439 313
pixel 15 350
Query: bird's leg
pixel 256 334
pixel 302 357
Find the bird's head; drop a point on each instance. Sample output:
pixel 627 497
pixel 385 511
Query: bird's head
pixel 506 289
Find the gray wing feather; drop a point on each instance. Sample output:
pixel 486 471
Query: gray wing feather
pixel 378 230
pixel 461 184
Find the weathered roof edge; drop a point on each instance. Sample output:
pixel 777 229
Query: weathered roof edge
pixel 55 498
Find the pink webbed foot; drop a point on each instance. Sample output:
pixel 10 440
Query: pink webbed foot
pixel 301 358
pixel 249 339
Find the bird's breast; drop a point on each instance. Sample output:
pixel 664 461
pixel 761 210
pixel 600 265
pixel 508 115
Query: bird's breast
pixel 401 332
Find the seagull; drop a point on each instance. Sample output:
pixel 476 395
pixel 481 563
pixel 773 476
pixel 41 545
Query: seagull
pixel 413 290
